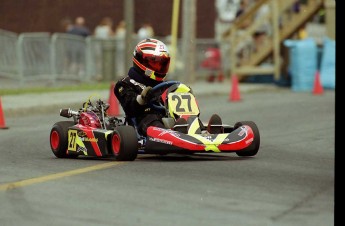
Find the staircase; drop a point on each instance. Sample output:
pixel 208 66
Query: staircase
pixel 284 22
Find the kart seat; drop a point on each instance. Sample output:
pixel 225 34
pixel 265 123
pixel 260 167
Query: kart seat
pixel 181 125
pixel 168 122
pixel 191 125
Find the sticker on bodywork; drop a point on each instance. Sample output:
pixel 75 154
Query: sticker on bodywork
pixel 182 104
pixel 72 137
pixel 75 142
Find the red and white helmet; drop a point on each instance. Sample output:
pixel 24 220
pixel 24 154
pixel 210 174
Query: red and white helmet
pixel 152 57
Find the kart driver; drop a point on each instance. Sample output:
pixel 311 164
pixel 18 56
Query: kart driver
pixel 151 61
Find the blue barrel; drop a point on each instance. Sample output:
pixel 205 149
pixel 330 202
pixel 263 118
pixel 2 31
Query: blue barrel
pixel 327 66
pixel 303 63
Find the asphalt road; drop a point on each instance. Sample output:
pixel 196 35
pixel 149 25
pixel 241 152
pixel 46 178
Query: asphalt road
pixel 289 182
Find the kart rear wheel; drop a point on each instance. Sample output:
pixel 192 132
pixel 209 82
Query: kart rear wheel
pixel 124 143
pixel 59 139
pixel 253 148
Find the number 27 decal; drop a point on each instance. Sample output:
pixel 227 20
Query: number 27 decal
pixel 179 100
pixel 72 136
pixel 183 103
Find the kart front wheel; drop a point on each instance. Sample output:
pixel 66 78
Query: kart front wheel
pixel 253 148
pixel 124 143
pixel 59 139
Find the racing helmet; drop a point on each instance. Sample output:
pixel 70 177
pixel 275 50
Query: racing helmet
pixel 152 57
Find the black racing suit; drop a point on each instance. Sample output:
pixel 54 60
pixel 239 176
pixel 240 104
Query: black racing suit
pixel 126 90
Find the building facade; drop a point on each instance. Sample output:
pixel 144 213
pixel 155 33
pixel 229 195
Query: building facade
pixel 46 15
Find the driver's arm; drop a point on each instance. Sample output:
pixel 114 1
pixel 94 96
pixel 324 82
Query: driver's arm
pixel 127 97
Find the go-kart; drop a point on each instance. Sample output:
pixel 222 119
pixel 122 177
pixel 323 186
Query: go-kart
pixel 94 133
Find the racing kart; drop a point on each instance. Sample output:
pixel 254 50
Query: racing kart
pixel 92 132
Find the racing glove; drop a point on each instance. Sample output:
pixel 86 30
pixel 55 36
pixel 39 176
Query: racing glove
pixel 145 95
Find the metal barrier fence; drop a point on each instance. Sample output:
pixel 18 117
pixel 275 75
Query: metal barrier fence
pixel 60 56
pixel 8 56
pixel 69 55
pixel 33 54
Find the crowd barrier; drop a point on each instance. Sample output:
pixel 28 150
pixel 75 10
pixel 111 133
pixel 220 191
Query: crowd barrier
pixel 60 56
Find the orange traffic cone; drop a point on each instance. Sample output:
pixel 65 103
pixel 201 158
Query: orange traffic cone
pixel 235 92
pixel 113 110
pixel 318 89
pixel 2 118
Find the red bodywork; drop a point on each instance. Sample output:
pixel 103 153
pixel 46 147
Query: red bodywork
pixel 89 119
pixel 237 140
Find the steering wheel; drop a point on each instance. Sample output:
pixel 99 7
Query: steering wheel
pixel 157 92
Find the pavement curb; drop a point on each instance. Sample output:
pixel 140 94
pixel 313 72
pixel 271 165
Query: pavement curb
pixel 28 104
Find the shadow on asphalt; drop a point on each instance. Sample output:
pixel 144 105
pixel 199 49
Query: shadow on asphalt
pixel 193 157
pixel 171 158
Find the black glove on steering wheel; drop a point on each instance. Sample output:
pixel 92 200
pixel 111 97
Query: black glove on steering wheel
pixel 145 95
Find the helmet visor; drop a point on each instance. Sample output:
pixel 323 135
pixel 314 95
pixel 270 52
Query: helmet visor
pixel 159 64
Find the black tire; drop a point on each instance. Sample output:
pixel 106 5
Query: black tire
pixel 124 143
pixel 59 139
pixel 253 148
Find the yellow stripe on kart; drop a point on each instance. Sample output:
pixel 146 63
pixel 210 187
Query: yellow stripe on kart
pixel 194 126
pixel 107 133
pixel 211 145
pixel 81 144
